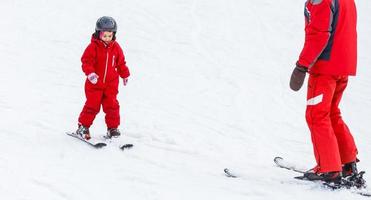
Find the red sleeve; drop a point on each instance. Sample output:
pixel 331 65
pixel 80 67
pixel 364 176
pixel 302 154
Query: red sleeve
pixel 122 69
pixel 88 59
pixel 319 16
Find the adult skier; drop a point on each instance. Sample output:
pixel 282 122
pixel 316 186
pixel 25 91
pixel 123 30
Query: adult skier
pixel 329 56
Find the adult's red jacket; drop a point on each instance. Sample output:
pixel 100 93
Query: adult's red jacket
pixel 330 37
pixel 107 61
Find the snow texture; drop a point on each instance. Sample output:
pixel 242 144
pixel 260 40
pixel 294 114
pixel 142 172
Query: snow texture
pixel 209 90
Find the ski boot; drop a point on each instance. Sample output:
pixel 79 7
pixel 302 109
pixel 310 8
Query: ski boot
pixel 83 132
pixel 352 177
pixel 113 132
pixel 350 169
pixel 327 177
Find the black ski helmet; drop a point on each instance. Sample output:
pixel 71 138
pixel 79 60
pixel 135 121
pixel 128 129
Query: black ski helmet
pixel 106 23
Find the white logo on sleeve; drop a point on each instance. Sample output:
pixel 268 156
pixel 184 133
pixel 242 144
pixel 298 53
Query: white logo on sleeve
pixel 315 100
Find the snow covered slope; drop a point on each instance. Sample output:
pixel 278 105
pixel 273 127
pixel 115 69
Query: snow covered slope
pixel 209 90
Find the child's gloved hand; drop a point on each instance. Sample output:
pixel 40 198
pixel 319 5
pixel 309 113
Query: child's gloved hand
pixel 125 80
pixel 93 78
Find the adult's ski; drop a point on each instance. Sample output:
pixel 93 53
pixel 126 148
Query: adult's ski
pixel 280 162
pixel 345 183
pixel 229 173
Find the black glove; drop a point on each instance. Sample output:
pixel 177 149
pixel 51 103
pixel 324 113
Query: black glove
pixel 297 77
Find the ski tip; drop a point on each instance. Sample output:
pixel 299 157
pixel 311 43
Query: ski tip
pixel 70 133
pixel 277 159
pixel 228 173
pixel 126 146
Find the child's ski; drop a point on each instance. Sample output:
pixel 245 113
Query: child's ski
pixel 126 146
pixel 92 141
pixel 121 146
pixel 97 143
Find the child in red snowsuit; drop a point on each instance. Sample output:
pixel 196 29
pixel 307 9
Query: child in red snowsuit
pixel 103 63
pixel 330 56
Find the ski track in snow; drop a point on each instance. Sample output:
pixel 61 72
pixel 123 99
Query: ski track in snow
pixel 209 90
pixel 50 188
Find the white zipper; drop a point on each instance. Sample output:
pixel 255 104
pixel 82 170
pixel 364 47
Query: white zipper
pixel 105 71
pixel 113 61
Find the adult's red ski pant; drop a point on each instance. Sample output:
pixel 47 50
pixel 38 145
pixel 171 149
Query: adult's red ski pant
pixel 97 95
pixel 332 140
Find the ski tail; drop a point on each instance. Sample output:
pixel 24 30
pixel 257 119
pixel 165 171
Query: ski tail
pixel 126 146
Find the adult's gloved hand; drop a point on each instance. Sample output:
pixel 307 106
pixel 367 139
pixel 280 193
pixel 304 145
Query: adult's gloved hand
pixel 297 77
pixel 93 78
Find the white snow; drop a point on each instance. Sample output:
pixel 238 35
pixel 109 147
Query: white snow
pixel 209 90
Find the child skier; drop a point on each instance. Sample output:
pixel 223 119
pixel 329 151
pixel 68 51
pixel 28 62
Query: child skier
pixel 103 62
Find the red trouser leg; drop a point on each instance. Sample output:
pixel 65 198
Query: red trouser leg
pixel 94 95
pixel 110 104
pixel 321 89
pixel 347 146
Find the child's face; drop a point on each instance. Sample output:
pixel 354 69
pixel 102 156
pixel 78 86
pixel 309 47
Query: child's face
pixel 106 36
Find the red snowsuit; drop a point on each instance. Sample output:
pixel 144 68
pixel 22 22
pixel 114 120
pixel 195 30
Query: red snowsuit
pixel 108 62
pixel 330 53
